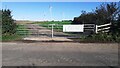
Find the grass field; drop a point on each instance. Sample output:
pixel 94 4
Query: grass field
pixel 57 22
pixel 21 30
pixel 58 25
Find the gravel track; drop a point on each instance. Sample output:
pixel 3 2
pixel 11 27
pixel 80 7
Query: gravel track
pixel 59 54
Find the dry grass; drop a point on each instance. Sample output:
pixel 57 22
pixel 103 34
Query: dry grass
pixel 23 21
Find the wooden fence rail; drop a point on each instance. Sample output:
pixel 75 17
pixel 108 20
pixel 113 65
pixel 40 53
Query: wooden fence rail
pixel 103 28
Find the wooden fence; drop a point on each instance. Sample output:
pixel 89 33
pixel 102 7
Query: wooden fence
pixel 103 28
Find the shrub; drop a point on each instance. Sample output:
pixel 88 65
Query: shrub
pixel 102 37
pixel 8 25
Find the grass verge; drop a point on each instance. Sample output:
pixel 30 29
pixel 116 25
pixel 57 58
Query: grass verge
pixel 6 38
pixel 20 33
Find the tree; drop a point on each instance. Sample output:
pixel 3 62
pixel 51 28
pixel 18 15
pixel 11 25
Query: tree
pixel 105 13
pixel 0 18
pixel 0 24
pixel 118 22
pixel 8 25
pixel 85 18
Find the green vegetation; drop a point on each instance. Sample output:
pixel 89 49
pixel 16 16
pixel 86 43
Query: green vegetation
pixel 58 24
pixel 18 35
pixel 101 37
pixel 0 25
pixel 12 37
pixel 21 30
pixel 0 19
pixel 20 26
pixel 105 13
pixel 8 27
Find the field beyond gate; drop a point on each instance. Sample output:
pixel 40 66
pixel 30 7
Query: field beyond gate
pixel 53 31
pixel 43 32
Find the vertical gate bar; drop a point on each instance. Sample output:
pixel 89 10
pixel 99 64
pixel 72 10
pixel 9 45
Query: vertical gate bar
pixel 96 29
pixel 38 32
pixel 52 31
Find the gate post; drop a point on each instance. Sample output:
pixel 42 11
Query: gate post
pixel 96 29
pixel 52 30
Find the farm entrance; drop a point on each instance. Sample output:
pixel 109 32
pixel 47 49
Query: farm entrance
pixel 45 32
pixel 52 31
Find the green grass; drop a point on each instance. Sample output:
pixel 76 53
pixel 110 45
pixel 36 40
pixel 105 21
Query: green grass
pixel 20 33
pixel 11 37
pixel 58 24
pixel 21 30
pixel 20 26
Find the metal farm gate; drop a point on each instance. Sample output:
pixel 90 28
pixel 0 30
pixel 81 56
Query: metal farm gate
pixel 56 31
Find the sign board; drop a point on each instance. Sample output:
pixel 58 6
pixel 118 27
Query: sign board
pixel 73 28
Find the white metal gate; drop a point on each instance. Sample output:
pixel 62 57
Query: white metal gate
pixel 55 30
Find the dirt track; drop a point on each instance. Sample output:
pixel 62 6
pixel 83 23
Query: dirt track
pixel 40 31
